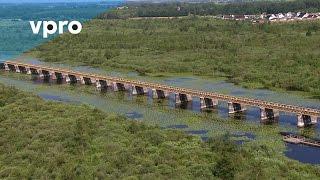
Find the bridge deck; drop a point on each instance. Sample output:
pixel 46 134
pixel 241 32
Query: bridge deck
pixel 198 93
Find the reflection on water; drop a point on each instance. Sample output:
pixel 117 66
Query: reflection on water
pixel 204 138
pixel 134 115
pixel 59 98
pixel 244 134
pixel 178 126
pixel 197 132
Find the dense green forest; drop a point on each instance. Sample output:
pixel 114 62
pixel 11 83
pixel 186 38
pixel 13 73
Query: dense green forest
pixel 172 10
pixel 274 56
pixel 48 140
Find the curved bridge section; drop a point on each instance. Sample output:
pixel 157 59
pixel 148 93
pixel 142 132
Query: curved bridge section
pixel 268 110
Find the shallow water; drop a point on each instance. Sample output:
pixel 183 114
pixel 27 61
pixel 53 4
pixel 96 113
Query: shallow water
pixel 303 153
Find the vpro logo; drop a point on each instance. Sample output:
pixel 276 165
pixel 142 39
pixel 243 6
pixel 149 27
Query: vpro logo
pixel 51 27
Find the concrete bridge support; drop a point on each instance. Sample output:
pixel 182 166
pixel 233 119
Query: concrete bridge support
pixel 23 69
pixel 304 120
pixel 127 87
pixel 118 86
pixel 182 98
pixel 207 103
pixel 53 75
pixel 159 94
pixel 266 113
pixel 20 69
pixel 93 81
pixel 17 68
pixel 235 107
pixel 46 74
pixel 39 72
pixel 78 79
pixel 33 71
pixel 137 90
pixel 28 71
pixel 10 67
pixel 81 80
pixel 85 80
pixel 101 85
pixel 59 76
pixel 71 79
pixel 6 67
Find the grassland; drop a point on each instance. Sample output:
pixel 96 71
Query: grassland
pixel 83 142
pixel 272 56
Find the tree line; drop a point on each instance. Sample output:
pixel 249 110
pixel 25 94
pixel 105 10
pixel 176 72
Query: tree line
pixel 185 9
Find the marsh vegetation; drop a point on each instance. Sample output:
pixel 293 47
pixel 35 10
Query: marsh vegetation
pixel 272 56
pixel 83 142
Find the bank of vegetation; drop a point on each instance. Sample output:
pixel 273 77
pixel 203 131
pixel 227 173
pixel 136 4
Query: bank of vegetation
pixel 47 140
pixel 271 56
pixel 205 9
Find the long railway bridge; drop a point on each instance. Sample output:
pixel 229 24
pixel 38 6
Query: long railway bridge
pixel 268 110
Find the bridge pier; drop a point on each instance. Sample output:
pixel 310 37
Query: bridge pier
pixel 207 103
pixel 28 71
pixel 23 69
pixel 118 86
pixel 137 90
pixel 101 85
pixel 235 107
pixel 266 113
pixel 39 72
pixel 127 87
pixel 159 94
pixel 68 80
pixel 53 75
pixel 314 120
pixel 71 79
pixel 17 68
pixel 6 67
pixel 46 74
pixel 20 69
pixel 301 119
pixel 34 71
pixel 304 120
pixel 81 80
pixel 182 98
pixel 78 79
pixel 59 76
pixel 85 80
pixel 93 81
